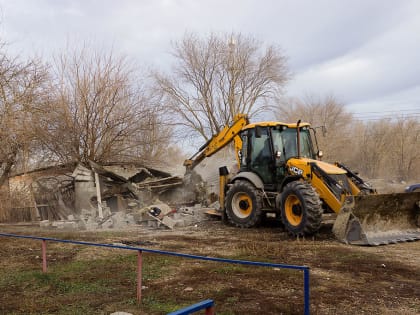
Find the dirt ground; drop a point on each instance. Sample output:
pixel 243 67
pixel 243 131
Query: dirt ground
pixel 343 279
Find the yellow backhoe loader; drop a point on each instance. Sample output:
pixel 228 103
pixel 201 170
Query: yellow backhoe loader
pixel 280 172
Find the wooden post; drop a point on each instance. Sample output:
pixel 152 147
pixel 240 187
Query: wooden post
pixel 139 275
pixel 44 256
pixel 210 310
pixel 98 196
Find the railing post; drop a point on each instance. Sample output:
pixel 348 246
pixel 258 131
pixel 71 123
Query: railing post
pixel 139 274
pixel 44 256
pixel 210 310
pixel 306 290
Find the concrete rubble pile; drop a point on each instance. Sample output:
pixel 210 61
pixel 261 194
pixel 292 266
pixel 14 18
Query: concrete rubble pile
pixel 119 197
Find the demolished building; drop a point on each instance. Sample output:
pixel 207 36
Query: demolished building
pixel 93 196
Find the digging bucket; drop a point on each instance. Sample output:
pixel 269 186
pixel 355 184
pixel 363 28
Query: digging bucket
pixel 379 219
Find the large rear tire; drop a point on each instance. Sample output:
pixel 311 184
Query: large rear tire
pixel 301 210
pixel 243 204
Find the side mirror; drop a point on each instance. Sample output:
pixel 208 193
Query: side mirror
pixel 320 154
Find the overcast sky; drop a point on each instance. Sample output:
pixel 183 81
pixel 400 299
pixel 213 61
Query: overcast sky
pixel 366 53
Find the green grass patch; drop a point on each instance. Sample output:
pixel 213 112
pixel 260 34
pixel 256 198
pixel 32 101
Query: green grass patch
pixel 230 269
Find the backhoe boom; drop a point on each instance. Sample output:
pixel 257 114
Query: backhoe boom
pixel 219 141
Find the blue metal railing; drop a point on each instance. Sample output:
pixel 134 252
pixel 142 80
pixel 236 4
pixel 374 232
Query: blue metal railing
pixel 305 269
pixel 208 305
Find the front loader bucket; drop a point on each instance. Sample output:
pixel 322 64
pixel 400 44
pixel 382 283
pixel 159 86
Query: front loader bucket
pixel 379 219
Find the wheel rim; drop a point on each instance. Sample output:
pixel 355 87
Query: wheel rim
pixel 293 210
pixel 241 205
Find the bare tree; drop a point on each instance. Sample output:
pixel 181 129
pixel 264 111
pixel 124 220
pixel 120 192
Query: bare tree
pixel 388 148
pixel 327 113
pixel 98 111
pixel 404 148
pixel 373 141
pixel 217 77
pixel 22 88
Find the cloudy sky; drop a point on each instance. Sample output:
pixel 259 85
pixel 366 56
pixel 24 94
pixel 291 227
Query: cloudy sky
pixel 365 52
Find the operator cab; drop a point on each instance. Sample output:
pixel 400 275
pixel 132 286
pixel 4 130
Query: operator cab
pixel 267 147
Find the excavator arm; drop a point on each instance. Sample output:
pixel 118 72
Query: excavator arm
pixel 219 141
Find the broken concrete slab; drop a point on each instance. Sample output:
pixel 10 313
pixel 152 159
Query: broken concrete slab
pixel 170 223
pixel 187 210
pixel 166 221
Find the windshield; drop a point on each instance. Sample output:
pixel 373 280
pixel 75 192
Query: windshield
pixel 285 141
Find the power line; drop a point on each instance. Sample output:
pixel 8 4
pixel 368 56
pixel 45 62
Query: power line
pixel 413 115
pixel 386 114
pixel 384 118
pixel 389 115
pixel 387 111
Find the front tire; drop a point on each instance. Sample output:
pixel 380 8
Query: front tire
pixel 301 210
pixel 243 204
